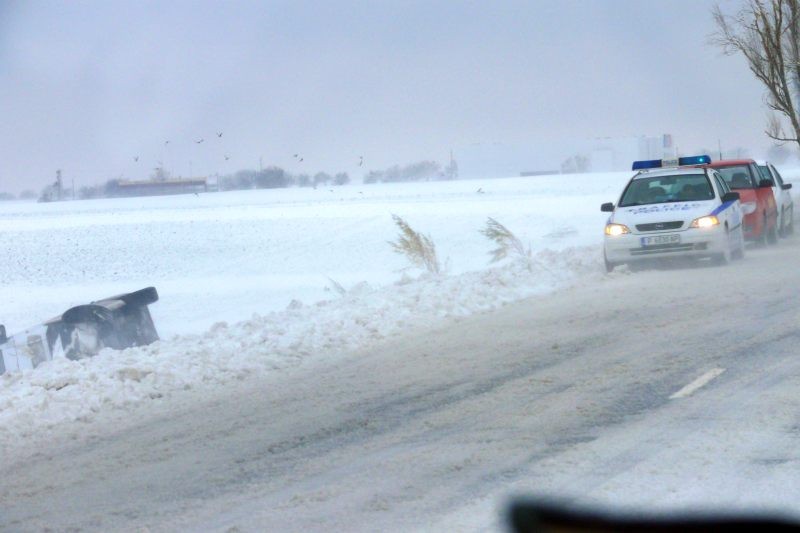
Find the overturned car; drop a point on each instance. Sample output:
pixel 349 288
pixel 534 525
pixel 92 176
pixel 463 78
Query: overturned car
pixel 118 322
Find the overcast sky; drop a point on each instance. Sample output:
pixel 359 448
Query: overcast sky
pixel 88 86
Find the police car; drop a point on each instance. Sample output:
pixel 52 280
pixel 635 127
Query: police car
pixel 672 208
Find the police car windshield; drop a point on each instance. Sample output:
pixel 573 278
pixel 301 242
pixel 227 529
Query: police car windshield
pixel 737 177
pixel 663 189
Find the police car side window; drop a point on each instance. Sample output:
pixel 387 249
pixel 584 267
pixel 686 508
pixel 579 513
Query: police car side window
pixel 721 185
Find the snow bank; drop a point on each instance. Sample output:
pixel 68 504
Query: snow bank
pixel 35 402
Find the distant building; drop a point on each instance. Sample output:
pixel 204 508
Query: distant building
pixel 55 191
pixel 158 187
pixel 494 160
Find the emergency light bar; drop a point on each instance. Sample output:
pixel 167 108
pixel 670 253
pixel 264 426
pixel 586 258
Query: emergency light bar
pixel 680 162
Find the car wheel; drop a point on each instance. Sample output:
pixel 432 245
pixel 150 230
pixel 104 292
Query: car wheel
pixel 609 266
pixel 761 240
pixel 725 257
pixel 739 253
pixel 772 234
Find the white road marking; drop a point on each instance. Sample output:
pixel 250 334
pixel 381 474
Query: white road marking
pixel 696 384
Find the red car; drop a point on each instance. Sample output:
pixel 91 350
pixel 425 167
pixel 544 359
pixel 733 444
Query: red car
pixel 758 202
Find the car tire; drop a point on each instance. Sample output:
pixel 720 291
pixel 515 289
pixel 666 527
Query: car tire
pixel 720 259
pixel 772 234
pixel 761 240
pixel 609 266
pixel 725 257
pixel 739 253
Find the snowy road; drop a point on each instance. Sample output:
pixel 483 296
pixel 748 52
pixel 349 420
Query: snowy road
pixel 668 388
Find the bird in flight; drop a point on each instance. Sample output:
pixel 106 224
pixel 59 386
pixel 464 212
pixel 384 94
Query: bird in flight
pixel 166 143
pixel 295 156
pixel 227 157
pixel 219 134
pixel 361 160
pixel 136 159
pixel 301 159
pixel 201 140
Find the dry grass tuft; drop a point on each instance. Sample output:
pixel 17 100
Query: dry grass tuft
pixel 418 248
pixel 505 240
pixel 508 243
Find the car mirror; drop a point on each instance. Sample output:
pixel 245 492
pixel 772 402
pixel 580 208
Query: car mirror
pixel 786 186
pixel 731 197
pixel 607 207
pixel 763 184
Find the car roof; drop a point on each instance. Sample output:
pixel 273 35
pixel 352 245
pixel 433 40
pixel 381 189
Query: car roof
pixel 669 171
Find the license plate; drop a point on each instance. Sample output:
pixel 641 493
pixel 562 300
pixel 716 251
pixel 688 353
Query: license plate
pixel 661 239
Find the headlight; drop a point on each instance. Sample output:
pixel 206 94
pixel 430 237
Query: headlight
pixel 616 229
pixel 705 222
pixel 748 207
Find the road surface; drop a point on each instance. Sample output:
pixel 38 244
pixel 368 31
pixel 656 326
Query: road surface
pixel 666 388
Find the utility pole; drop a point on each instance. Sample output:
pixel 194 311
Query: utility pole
pixel 450 171
pixel 59 185
pixel 719 146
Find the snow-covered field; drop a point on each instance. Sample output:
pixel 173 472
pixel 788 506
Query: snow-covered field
pixel 229 255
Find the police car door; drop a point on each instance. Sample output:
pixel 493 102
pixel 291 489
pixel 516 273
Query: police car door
pixel 732 214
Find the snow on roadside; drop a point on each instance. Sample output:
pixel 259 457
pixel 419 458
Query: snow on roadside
pixel 35 402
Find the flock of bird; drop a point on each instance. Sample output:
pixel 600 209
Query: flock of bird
pixel 227 157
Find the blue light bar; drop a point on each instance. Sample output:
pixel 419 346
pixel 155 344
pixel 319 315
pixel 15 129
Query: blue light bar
pixel 695 160
pixel 682 161
pixel 641 165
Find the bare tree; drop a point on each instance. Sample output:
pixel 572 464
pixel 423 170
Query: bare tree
pixel 767 34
